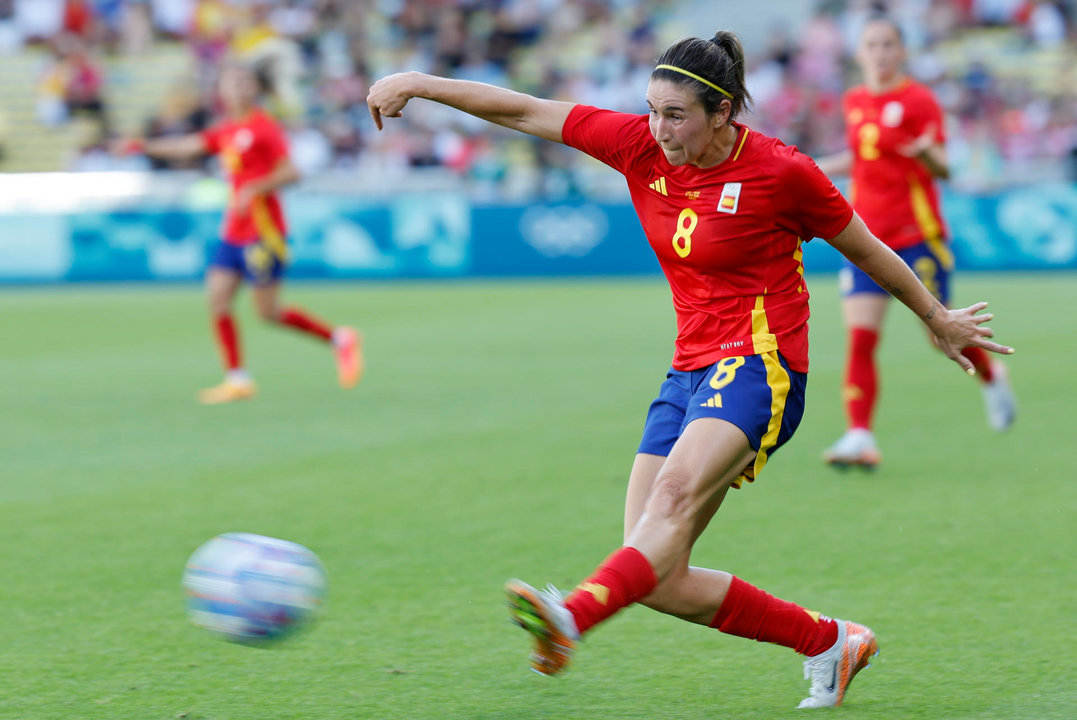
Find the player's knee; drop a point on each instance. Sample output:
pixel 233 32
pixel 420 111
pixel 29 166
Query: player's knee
pixel 672 497
pixel 219 305
pixel 269 313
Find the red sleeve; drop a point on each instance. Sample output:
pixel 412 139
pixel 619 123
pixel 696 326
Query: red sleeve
pixel 927 112
pixel 273 140
pixel 211 138
pixel 816 208
pixel 611 137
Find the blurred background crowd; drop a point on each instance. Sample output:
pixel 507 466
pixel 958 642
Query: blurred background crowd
pixel 75 73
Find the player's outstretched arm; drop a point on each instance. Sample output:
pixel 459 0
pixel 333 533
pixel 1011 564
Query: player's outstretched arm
pixel 954 330
pixel 178 147
pixel 531 115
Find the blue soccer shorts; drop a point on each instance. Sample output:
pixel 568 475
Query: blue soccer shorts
pixel 757 393
pixel 255 262
pixel 931 260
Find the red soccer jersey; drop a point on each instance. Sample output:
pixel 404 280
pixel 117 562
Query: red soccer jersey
pixel 250 149
pixel 894 194
pixel 728 237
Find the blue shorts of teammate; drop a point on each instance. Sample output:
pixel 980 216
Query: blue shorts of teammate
pixel 255 262
pixel 757 393
pixel 931 260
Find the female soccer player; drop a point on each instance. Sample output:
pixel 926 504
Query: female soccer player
pixel 895 134
pixel 254 153
pixel 725 210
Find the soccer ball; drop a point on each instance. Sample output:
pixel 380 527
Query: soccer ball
pixel 252 589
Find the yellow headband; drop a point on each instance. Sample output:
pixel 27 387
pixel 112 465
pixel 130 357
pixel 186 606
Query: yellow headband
pixel 692 75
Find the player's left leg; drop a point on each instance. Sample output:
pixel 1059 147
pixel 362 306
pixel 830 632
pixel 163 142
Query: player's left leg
pixel 346 341
pixel 222 283
pixel 863 308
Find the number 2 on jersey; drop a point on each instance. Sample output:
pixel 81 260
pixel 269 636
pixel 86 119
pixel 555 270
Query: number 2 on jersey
pixel 682 239
pixel 869 141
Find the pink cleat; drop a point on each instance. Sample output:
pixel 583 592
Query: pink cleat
pixel 348 347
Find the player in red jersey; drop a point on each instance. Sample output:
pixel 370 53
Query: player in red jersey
pixel 253 244
pixel 725 210
pixel 895 132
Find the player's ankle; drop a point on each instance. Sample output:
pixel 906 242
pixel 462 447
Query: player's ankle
pixel 238 375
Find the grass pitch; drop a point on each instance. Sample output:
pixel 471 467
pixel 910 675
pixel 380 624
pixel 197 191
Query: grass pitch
pixel 492 438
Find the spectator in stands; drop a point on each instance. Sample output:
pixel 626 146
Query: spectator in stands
pixel 319 55
pixel 72 84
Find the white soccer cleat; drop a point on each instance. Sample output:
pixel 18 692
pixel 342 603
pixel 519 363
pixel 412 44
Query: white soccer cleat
pixel 1000 403
pixel 855 448
pixel 231 390
pixel 831 672
pixel 543 614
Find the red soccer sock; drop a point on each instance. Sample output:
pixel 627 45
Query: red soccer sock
pixel 224 328
pixel 300 320
pixel 752 613
pixel 861 381
pixel 981 361
pixel 622 579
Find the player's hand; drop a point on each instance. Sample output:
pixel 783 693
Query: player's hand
pixel 121 147
pixel 388 96
pixel 919 145
pixel 244 197
pixel 958 329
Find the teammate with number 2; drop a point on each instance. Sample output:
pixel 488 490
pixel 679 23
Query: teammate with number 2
pixel 897 150
pixel 725 210
pixel 253 245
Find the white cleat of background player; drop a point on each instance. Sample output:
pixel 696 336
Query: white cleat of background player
pixel 1000 403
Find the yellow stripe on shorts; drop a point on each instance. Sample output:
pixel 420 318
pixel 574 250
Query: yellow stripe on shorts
pixel 778 380
pixel 267 229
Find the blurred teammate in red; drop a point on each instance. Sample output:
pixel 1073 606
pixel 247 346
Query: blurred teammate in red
pixel 253 243
pixel 725 210
pixel 895 132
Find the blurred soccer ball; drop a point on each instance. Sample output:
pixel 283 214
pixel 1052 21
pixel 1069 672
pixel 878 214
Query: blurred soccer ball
pixel 252 589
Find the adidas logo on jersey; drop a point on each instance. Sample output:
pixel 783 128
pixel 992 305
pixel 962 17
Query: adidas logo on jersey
pixel 715 401
pixel 659 186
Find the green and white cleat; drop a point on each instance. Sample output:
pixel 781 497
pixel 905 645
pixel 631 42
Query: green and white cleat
pixel 543 614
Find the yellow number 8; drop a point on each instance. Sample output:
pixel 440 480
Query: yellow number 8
pixel 682 239
pixel 727 370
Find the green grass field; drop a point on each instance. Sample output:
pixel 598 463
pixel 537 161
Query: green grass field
pixel 492 438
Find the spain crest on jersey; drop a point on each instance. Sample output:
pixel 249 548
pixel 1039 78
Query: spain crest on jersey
pixel 730 198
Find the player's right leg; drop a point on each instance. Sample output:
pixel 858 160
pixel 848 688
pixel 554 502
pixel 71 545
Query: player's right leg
pixel 347 342
pixel 222 282
pixel 863 309
pixel 707 459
